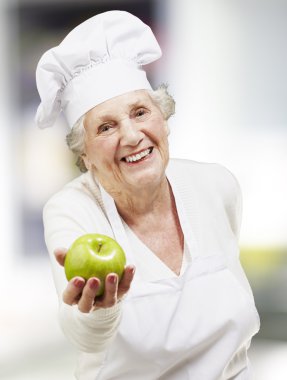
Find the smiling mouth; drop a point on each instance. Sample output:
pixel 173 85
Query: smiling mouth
pixel 139 156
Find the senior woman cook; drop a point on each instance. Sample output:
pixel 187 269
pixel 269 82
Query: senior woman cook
pixel 187 311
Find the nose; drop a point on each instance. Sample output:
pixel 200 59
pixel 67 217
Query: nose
pixel 130 133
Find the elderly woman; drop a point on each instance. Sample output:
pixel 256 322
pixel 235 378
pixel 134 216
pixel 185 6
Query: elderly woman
pixel 187 311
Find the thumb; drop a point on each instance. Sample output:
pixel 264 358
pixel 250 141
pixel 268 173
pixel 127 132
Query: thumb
pixel 60 254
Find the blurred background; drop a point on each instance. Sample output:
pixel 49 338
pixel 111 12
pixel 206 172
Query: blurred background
pixel 225 62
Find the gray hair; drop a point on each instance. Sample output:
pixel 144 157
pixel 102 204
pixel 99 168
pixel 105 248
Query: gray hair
pixel 76 138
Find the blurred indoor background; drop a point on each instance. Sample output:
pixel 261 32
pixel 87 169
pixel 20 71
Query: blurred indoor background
pixel 225 62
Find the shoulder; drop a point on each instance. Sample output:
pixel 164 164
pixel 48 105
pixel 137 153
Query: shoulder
pixel 203 176
pixel 78 202
pixel 81 191
pixel 210 186
pixel 73 211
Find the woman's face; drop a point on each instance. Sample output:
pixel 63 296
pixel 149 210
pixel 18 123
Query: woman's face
pixel 126 142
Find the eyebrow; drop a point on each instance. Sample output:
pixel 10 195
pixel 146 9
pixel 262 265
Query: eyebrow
pixel 136 103
pixel 101 117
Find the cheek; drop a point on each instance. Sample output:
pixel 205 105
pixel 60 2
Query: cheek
pixel 101 152
pixel 158 129
pixel 161 137
pixel 91 151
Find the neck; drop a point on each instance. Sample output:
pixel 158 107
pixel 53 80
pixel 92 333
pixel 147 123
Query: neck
pixel 133 205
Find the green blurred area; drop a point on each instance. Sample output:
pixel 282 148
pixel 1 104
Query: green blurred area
pixel 261 263
pixel 266 269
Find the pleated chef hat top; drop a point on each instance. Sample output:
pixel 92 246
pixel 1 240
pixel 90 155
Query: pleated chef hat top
pixel 98 60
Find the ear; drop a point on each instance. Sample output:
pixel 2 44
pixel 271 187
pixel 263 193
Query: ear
pixel 86 161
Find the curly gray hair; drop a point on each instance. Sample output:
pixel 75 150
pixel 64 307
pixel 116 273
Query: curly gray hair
pixel 76 138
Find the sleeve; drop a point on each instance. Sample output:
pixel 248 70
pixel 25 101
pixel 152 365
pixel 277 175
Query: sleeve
pixel 233 207
pixel 233 202
pixel 67 216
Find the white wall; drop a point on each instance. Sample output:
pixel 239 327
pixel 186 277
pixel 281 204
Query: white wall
pixel 226 65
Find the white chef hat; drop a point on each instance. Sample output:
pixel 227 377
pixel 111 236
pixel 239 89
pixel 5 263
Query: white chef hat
pixel 98 60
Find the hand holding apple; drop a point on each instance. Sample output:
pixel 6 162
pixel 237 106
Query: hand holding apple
pixel 95 255
pixel 83 293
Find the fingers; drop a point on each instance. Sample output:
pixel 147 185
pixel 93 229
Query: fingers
pixel 109 298
pixel 83 293
pixel 114 291
pixel 126 280
pixel 60 254
pixel 73 291
pixel 86 302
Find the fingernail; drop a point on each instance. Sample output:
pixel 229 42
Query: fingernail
pixel 78 282
pixel 62 249
pixel 93 283
pixel 112 279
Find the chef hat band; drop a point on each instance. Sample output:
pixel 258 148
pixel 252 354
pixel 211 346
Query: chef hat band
pixel 111 79
pixel 98 60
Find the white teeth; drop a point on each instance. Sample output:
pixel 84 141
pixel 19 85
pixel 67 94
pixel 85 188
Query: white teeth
pixel 138 156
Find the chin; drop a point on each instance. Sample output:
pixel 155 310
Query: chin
pixel 148 173
pixel 148 178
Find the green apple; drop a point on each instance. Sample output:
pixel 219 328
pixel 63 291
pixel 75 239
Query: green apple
pixel 94 255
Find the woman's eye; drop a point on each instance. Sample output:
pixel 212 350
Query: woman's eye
pixel 104 128
pixel 141 112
